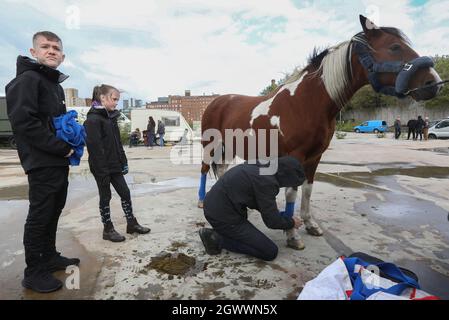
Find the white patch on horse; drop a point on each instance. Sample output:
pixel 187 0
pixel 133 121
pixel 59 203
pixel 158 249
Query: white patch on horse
pixel 435 75
pixel 263 108
pixel 305 202
pixel 276 122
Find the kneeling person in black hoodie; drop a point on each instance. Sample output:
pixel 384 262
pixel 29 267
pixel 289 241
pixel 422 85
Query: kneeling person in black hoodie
pixel 242 187
pixel 107 159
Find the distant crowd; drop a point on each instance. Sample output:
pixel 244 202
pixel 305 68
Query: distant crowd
pixel 415 128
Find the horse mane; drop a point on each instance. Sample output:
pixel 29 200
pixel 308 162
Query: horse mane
pixel 334 66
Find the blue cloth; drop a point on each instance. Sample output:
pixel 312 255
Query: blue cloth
pixel 289 210
pixel 202 191
pixel 70 131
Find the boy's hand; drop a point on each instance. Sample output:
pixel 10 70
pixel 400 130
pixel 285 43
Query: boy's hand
pixel 70 153
pixel 125 169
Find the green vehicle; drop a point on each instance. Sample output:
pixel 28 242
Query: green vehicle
pixel 5 125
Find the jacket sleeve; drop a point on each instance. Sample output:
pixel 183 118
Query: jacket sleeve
pixel 266 200
pixel 97 158
pixel 23 109
pixel 123 158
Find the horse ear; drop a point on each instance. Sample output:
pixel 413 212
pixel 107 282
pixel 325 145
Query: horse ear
pixel 369 28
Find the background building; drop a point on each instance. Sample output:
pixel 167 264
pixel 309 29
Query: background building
pixel 191 107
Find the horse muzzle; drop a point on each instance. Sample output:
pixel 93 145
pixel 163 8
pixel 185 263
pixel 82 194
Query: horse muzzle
pixel 408 71
pixel 426 93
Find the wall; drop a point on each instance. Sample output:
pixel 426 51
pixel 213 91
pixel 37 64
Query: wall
pixel 389 114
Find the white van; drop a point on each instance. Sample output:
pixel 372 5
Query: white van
pixel 82 115
pixel 175 124
pixel 439 130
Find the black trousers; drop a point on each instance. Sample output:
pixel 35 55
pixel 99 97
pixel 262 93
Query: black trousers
pixel 411 131
pixel 397 133
pixel 245 238
pixel 104 188
pixel 47 196
pixel 419 133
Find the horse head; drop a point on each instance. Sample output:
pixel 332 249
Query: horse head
pixel 391 66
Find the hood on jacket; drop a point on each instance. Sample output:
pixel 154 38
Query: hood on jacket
pixel 290 172
pixel 25 64
pixel 100 110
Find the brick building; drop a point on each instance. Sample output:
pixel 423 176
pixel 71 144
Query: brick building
pixel 191 107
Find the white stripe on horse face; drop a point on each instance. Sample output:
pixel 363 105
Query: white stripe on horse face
pixel 435 75
pixel 263 108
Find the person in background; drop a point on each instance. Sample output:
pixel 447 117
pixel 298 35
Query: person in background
pixel 426 128
pixel 397 128
pixel 161 132
pixel 134 138
pixel 107 160
pixel 419 128
pixel 411 128
pixel 151 132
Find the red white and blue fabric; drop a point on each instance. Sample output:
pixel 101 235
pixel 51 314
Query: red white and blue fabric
pixel 351 279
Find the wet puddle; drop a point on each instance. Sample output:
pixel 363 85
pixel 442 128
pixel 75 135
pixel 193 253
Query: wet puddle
pixel 442 151
pixel 84 184
pixel 384 176
pixel 175 264
pixel 19 192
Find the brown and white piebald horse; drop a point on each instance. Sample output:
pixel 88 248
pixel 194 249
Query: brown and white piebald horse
pixel 304 109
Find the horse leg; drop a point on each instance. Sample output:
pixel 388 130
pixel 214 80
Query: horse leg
pixel 312 227
pixel 221 170
pixel 202 191
pixel 294 240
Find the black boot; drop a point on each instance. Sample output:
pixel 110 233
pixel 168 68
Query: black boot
pixel 211 241
pixel 134 227
pixel 110 234
pixel 58 262
pixel 41 281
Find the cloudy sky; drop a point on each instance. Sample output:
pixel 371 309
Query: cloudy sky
pixel 153 48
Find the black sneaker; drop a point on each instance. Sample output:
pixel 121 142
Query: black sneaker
pixel 211 241
pixel 58 262
pixel 41 281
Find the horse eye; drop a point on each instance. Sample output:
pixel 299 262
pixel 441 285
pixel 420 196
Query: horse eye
pixel 395 47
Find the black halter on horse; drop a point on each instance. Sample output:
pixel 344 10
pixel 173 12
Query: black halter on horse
pixel 404 70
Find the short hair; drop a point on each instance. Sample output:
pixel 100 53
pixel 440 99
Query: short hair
pixel 47 35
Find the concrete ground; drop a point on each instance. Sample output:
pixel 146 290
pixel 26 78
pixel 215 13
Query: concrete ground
pixel 383 197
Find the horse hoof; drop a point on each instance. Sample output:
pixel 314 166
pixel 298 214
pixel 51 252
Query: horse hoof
pixel 296 244
pixel 200 204
pixel 314 231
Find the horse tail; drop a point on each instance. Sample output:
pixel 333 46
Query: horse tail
pixel 214 169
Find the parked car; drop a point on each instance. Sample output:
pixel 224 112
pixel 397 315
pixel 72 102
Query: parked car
pixel 5 125
pixel 439 130
pixel 375 126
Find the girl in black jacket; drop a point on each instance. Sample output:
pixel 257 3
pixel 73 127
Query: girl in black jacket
pixel 107 159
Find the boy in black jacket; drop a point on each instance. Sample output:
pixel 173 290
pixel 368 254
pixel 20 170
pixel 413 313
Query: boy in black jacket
pixel 242 187
pixel 107 160
pixel 33 98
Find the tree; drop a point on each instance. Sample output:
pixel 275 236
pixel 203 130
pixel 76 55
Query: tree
pixel 442 67
pixel 367 98
pixel 271 88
